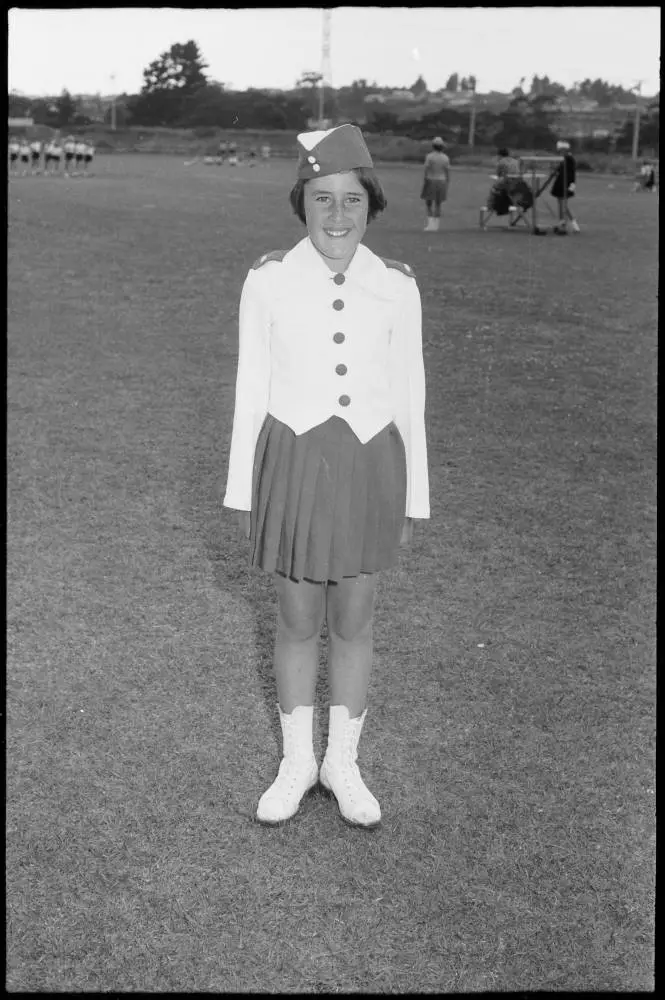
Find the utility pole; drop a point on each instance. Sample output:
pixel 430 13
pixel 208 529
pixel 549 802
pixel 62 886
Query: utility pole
pixel 113 121
pixel 472 120
pixel 325 63
pixel 636 124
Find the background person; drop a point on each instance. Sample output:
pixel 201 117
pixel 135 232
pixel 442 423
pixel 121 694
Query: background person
pixel 646 179
pixel 56 155
pixel 25 154
pixel 328 460
pixel 435 183
pixel 36 150
pixel 79 155
pixel 14 149
pixel 563 189
pixel 69 147
pixel 507 167
pixel 88 157
pixel 48 154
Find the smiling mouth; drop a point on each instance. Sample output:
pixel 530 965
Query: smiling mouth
pixel 337 234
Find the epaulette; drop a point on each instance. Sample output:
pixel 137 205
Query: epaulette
pixel 399 266
pixel 277 255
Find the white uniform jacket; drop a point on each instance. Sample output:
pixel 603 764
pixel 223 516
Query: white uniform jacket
pixel 312 347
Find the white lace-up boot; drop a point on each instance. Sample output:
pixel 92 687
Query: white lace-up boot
pixel 429 225
pixel 339 771
pixel 298 772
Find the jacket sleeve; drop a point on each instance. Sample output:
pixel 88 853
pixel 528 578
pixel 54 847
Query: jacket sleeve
pixel 252 393
pixel 408 388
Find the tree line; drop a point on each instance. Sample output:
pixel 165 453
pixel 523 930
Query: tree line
pixel 177 93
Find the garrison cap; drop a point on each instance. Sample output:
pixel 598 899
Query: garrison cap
pixel 332 151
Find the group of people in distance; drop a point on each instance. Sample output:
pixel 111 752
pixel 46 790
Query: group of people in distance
pixel 32 156
pixel 510 190
pixel 229 153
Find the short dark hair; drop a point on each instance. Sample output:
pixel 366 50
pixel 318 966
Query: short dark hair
pixel 503 151
pixel 377 200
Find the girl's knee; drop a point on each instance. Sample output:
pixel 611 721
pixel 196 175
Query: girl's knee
pixel 350 628
pixel 298 628
pixel 350 608
pixel 300 610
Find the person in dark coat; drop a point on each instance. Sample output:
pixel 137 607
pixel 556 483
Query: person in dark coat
pixel 563 189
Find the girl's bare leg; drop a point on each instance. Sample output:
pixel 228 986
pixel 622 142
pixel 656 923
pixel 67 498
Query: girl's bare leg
pixel 349 610
pixel 296 655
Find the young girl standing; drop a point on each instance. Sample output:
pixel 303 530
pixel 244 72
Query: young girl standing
pixel 435 183
pixel 328 462
pixel 563 189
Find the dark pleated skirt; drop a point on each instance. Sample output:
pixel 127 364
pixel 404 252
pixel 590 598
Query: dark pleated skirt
pixel 435 190
pixel 324 505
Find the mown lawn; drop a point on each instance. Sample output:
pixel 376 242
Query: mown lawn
pixel 510 736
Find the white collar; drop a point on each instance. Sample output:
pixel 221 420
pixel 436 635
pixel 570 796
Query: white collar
pixel 366 268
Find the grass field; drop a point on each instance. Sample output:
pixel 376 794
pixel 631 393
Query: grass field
pixel 510 733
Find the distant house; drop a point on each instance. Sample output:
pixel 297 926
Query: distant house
pixel 598 123
pixel 575 105
pixel 457 99
pixel 402 95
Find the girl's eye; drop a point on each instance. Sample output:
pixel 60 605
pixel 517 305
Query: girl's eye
pixel 353 199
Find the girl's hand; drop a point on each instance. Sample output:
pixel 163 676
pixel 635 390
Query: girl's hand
pixel 242 517
pixel 407 531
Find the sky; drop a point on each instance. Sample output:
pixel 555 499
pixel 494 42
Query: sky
pixel 90 50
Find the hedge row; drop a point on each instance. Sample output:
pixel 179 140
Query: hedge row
pixel 384 148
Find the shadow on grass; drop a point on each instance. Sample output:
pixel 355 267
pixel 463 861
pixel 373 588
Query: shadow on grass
pixel 227 554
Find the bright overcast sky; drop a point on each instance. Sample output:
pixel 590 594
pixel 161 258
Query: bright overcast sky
pixel 81 49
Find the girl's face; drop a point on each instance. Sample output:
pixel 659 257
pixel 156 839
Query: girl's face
pixel 336 213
